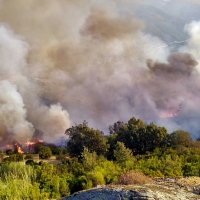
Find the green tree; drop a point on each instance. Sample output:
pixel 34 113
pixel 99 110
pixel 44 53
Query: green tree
pixel 140 138
pixel 130 134
pixel 81 136
pixel 45 152
pixel 111 140
pixel 75 167
pixel 89 159
pixel 115 127
pixel 122 154
pixel 180 138
pixel 156 137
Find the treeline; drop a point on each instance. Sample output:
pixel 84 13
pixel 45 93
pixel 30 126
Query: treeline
pixel 91 158
pixel 135 135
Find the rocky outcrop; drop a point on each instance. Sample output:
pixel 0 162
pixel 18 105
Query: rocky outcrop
pixel 160 189
pixel 189 184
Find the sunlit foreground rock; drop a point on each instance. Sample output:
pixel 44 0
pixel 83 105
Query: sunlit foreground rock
pixel 160 189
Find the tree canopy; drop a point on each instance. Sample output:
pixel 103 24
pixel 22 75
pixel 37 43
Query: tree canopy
pixel 139 137
pixel 82 136
pixel 180 137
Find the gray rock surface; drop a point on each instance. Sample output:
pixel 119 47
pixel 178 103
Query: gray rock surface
pixel 135 192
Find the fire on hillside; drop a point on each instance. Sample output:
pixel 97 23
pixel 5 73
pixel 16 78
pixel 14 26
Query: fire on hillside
pixel 28 147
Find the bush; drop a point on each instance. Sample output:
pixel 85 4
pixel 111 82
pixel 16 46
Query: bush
pixel 45 152
pixel 109 170
pixel 30 162
pixel 13 170
pixel 96 178
pixel 79 183
pixel 133 177
pixel 15 189
pixel 14 158
pixel 122 154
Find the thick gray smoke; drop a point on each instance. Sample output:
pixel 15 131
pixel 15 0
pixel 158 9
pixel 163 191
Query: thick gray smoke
pixel 67 61
pixel 13 123
pixel 21 108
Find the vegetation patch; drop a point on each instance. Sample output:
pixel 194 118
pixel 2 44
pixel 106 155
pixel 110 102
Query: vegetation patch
pixel 133 177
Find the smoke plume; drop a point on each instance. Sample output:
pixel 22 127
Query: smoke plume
pixel 13 123
pixel 68 61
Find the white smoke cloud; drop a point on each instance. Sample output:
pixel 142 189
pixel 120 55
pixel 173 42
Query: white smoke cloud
pixel 193 45
pixel 53 122
pixel 13 123
pixel 13 51
pixel 21 98
pixel 90 58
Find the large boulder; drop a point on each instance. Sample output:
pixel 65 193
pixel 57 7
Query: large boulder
pixel 159 190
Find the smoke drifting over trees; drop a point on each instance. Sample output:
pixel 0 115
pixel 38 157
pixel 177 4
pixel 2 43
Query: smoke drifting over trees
pixel 64 61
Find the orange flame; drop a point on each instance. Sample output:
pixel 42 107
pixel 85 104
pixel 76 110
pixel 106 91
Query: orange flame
pixel 33 143
pixel 19 150
pixel 29 143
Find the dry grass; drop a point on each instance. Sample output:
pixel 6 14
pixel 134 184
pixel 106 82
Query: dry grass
pixel 133 177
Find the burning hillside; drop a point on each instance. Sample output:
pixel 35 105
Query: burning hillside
pixel 28 147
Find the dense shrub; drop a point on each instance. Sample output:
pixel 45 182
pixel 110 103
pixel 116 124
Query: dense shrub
pixel 79 183
pixel 21 189
pixel 30 162
pixel 45 152
pixel 96 178
pixel 14 158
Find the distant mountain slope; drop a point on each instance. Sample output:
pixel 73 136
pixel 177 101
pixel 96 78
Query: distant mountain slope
pixel 187 10
pixel 167 20
pixel 167 27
